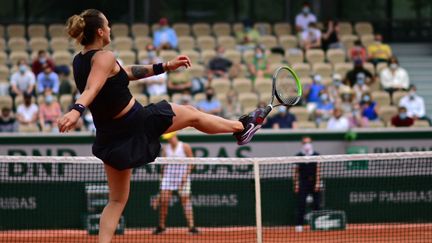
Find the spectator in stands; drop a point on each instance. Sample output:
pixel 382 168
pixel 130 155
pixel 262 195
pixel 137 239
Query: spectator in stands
pixel 394 77
pixel 306 181
pixel 8 122
pixel 178 82
pixel 259 67
pixel 219 66
pixel 402 119
pixel 414 104
pixel 49 112
pixel 358 51
pixel 152 55
pixel 27 113
pixel 41 61
pixel 355 118
pixel 48 81
pixel 369 107
pixel 360 87
pixel 156 84
pixel 304 18
pixel 65 86
pixel 312 92
pixel 351 76
pixel 379 52
pixel 347 100
pixel 232 108
pixel 211 104
pixel 331 38
pixel 22 81
pixel 248 38
pixel 335 88
pixel 310 38
pixel 282 119
pixel 338 121
pixel 324 108
pixel 165 37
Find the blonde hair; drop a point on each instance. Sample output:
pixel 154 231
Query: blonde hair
pixel 83 27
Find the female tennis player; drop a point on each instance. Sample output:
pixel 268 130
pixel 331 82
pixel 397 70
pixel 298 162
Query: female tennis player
pixel 127 134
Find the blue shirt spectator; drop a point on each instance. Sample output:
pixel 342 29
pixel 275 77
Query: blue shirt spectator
pixel 48 81
pixel 283 119
pixel 314 90
pixel 211 104
pixel 165 37
pixel 369 111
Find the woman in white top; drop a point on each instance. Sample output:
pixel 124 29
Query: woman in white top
pixel 175 177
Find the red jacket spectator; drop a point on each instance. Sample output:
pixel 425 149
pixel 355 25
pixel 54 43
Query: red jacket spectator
pixel 42 59
pixel 402 119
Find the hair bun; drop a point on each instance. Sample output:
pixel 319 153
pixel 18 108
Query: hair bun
pixel 75 27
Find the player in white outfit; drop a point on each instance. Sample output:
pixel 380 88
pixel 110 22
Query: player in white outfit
pixel 175 177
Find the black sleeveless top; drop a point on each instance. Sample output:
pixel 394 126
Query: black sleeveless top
pixel 114 95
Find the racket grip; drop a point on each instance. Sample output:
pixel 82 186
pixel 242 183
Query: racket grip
pixel 266 111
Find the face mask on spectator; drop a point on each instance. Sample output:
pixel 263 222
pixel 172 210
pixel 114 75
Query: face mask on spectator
pixel 394 66
pixel 151 54
pixel 412 94
pixel 403 115
pixel 346 97
pixel 209 96
pixel 307 149
pixel 22 68
pixel 42 60
pixel 48 99
pixel 282 109
pixel 337 82
pixel 259 55
pixel 306 10
pixel 366 98
pixel 360 81
pixel 324 97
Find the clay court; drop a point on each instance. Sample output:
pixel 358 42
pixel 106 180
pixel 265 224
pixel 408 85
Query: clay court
pixel 419 233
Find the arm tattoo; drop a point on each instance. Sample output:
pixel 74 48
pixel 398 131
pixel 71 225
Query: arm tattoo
pixel 139 72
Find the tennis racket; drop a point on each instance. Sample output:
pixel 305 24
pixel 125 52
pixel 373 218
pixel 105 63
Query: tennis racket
pixel 287 90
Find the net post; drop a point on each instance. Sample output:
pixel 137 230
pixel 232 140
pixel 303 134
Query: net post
pixel 258 215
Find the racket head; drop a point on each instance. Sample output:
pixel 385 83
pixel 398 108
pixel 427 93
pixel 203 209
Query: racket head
pixel 287 87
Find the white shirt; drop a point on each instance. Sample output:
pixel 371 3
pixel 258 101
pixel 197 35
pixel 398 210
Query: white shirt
pixel 27 112
pixel 398 79
pixel 304 20
pixel 415 106
pixel 23 81
pixel 338 124
pixel 175 171
pixel 312 35
pixel 156 84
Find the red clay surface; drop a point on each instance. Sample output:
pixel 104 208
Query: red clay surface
pixel 354 233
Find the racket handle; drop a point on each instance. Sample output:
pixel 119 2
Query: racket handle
pixel 264 114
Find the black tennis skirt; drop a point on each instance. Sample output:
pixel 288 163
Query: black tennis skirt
pixel 133 139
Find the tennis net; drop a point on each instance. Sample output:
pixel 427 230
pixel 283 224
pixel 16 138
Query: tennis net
pixel 334 198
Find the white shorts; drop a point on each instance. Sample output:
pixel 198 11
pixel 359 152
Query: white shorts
pixel 173 184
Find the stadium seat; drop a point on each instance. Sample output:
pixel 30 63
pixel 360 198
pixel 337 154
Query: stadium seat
pixel 322 69
pixel 348 41
pixel 345 28
pixel 15 56
pixel 2 44
pixel 221 29
pixel 248 56
pixel 2 31
pixel 197 70
pixel 276 65
pixel 167 55
pixel 376 124
pixel 268 41
pixel 39 43
pixel 294 56
pixel 248 99
pixel 288 41
pixel 128 57
pixel 264 28
pixel 370 67
pixel 62 58
pixel 385 113
pixel 59 44
pixel 123 43
pixel 36 30
pixel 362 28
pixel 207 55
pixel 300 113
pixel 306 81
pixel 335 56
pixel 314 56
pixel 140 30
pixel 65 102
pixel 228 42
pixel 199 97
pixel 157 98
pixel 397 95
pixel 275 58
pixel 242 85
pixel 201 29
pixel 206 43
pixel 380 66
pixel 234 56
pixel 302 69
pixel 141 98
pixel 186 43
pixel 382 98
pixel 4 72
pixel 141 42
pixel 421 123
pixel 57 30
pixel 221 85
pixel 237 27
pixel 120 30
pixel 136 87
pixel 194 56
pixel 304 125
pixel 263 85
pixel 367 39
pixel 31 128
pixel 182 29
pixel 17 44
pixel 3 58
pixel 282 28
pixel 16 31
pixel 343 68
